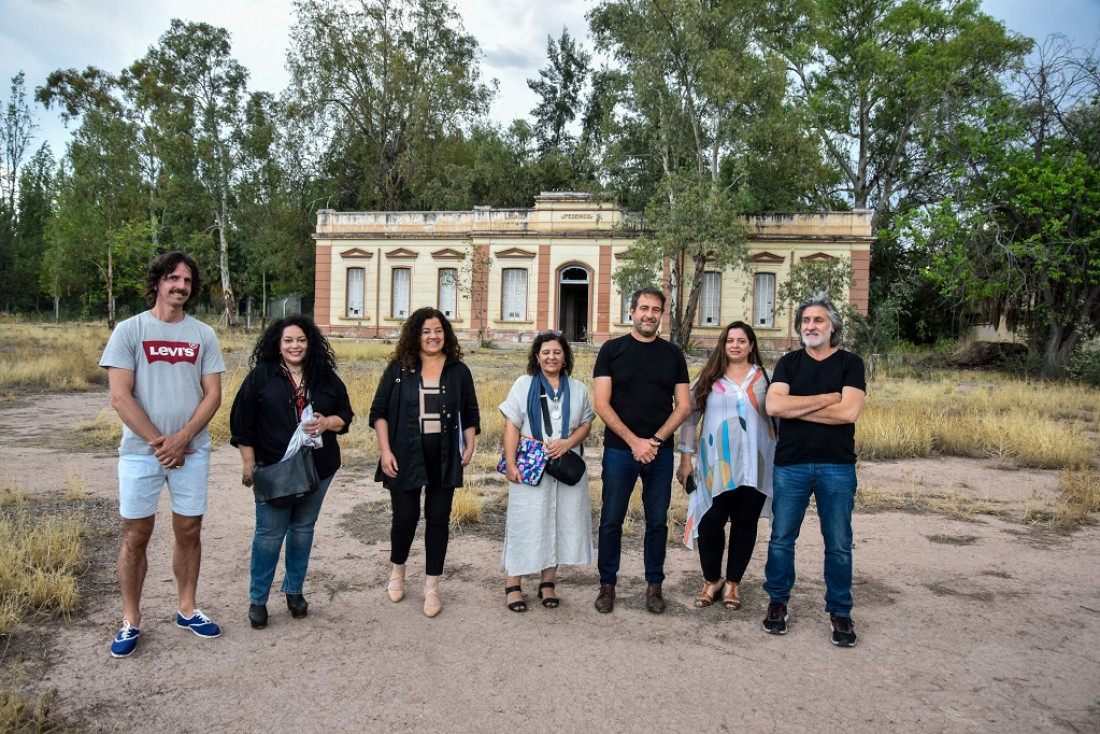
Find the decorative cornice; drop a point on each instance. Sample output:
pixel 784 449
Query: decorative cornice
pixel 767 258
pixel 356 253
pixel 448 253
pixel 515 253
pixel 402 253
pixel 817 257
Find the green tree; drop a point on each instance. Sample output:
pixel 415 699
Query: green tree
pixel 1019 237
pixel 559 87
pixel 203 90
pixel 16 132
pixel 384 83
pixel 885 81
pixel 693 86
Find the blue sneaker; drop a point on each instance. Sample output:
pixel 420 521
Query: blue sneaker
pixel 199 623
pixel 125 642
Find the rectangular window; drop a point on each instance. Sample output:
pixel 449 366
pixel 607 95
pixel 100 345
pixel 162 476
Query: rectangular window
pixel 400 293
pixel 448 291
pixel 356 295
pixel 710 299
pixel 626 308
pixel 514 295
pixel 763 300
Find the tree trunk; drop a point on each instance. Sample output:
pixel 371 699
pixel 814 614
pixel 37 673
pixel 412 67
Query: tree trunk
pixel 223 264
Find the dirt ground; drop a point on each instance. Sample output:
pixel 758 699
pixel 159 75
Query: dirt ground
pixel 986 624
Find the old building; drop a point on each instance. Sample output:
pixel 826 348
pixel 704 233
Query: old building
pixel 506 274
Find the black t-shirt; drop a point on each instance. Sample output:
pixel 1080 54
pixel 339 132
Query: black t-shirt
pixel 644 376
pixel 803 442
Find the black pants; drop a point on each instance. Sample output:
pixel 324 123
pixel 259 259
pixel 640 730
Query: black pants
pixel 437 514
pixel 741 508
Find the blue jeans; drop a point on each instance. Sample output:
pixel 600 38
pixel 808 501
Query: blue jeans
pixel 834 488
pixel 273 525
pixel 620 472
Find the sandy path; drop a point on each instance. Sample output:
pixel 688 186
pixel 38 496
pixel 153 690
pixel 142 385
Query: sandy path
pixel 964 626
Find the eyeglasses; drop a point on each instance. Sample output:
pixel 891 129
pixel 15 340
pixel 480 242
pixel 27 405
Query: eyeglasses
pixel 550 332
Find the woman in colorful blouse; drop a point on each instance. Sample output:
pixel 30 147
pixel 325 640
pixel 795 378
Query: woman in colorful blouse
pixel 733 459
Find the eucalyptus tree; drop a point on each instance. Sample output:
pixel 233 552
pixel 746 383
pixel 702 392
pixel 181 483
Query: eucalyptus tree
pixel 885 81
pixel 695 83
pixel 201 92
pixel 384 83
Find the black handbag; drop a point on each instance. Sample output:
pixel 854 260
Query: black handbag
pixel 569 467
pixel 288 482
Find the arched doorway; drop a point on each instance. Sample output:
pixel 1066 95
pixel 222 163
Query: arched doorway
pixel 573 283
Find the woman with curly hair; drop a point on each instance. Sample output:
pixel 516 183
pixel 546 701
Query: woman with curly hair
pixel 292 366
pixel 426 417
pixel 733 461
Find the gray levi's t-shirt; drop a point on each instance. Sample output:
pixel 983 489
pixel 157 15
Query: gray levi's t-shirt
pixel 168 362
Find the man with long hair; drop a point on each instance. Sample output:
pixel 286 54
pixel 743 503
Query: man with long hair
pixel 164 369
pixel 817 393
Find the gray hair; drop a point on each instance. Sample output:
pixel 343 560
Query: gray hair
pixel 820 299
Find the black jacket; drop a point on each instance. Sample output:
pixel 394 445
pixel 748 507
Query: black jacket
pixel 264 417
pixel 397 400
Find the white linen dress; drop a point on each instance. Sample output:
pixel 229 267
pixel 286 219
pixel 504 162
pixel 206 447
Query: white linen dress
pixel 550 524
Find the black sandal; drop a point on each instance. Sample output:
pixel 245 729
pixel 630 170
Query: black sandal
pixel 550 602
pixel 515 606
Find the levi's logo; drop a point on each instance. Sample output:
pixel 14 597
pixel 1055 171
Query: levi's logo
pixel 171 352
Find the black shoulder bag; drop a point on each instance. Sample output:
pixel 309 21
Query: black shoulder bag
pixel 569 467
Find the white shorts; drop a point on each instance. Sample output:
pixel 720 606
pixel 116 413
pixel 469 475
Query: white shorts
pixel 141 478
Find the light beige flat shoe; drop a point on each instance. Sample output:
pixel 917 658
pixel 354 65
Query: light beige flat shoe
pixel 396 587
pixel 432 603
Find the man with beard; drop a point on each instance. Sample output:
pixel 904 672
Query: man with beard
pixel 164 369
pixel 817 393
pixel 640 390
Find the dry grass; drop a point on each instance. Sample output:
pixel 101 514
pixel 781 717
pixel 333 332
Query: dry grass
pixel 19 714
pixel 1037 425
pixel 57 358
pixel 41 559
pixel 951 504
pixel 1078 498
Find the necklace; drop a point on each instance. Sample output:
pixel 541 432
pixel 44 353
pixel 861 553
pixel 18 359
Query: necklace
pixel 294 372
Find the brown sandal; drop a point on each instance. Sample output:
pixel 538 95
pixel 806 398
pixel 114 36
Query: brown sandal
pixel 710 592
pixel 731 599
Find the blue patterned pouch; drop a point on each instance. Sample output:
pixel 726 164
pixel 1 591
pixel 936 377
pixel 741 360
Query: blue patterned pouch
pixel 530 460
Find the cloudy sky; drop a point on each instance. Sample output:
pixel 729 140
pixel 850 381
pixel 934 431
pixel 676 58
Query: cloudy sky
pixel 38 36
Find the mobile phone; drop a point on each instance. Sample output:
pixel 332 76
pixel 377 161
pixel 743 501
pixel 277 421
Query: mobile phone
pixel 690 486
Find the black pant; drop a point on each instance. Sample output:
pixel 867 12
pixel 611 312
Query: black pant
pixel 437 514
pixel 741 507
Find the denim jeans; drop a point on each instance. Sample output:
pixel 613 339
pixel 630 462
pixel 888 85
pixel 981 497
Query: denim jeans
pixel 620 472
pixel 273 525
pixel 834 488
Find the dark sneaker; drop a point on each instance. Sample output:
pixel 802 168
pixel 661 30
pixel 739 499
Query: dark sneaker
pixel 775 622
pixel 125 642
pixel 844 631
pixel 198 623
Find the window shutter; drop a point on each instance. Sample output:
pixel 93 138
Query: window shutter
pixel 355 293
pixel 763 300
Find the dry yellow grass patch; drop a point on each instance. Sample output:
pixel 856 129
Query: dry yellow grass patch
pixel 60 358
pixel 1078 497
pixel 1036 425
pixel 40 562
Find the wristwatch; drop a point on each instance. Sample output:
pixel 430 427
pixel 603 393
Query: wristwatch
pixel 657 440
